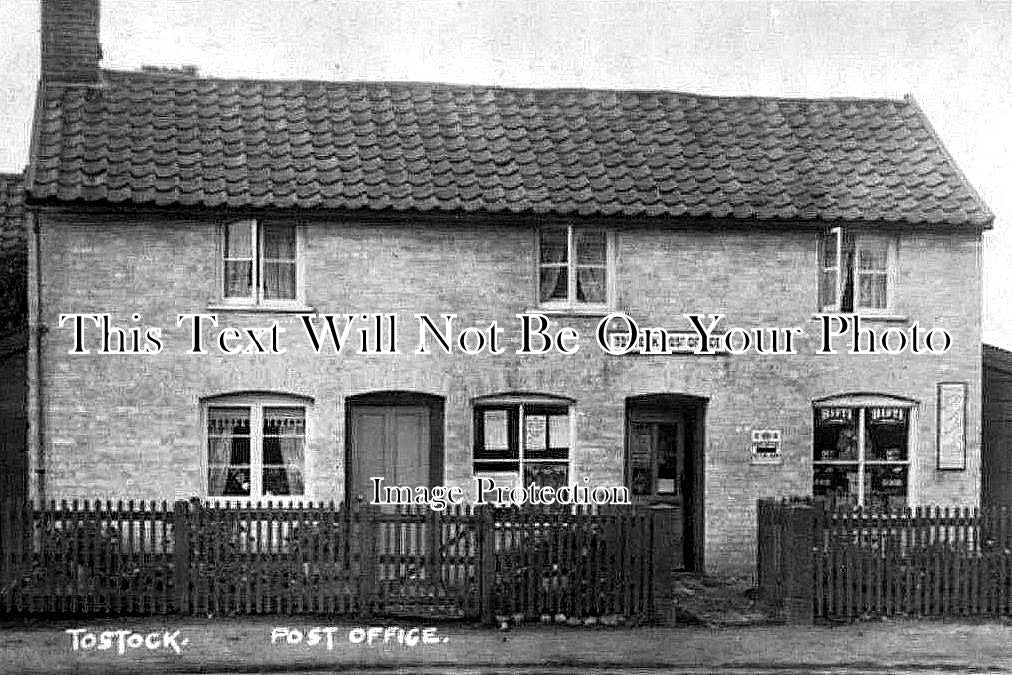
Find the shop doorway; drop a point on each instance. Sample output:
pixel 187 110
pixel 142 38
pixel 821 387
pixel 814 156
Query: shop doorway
pixel 664 443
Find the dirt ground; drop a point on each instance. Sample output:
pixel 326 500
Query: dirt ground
pixel 245 645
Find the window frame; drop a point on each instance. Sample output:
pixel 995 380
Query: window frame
pixel 256 299
pixel 863 403
pixel 255 402
pixel 571 304
pixel 890 271
pixel 516 407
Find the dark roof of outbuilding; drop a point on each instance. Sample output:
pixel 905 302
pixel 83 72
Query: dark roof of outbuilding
pixel 997 358
pixel 13 255
pixel 167 138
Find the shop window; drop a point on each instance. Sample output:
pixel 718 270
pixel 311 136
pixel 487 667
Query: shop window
pixel 527 437
pixel 862 455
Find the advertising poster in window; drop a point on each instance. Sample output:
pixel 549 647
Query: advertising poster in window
pixel 535 436
pixel 496 430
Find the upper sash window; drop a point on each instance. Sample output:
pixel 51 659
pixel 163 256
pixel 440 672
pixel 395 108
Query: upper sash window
pixel 574 267
pixel 260 262
pixel 856 271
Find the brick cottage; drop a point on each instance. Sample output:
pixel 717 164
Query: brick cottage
pixel 159 192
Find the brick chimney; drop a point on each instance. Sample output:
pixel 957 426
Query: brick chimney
pixel 70 48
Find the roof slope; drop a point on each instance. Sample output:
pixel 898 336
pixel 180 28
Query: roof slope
pixel 13 255
pixel 174 139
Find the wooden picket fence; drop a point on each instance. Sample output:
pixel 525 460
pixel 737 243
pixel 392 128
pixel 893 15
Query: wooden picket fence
pixel 819 563
pixel 551 564
pixel 466 562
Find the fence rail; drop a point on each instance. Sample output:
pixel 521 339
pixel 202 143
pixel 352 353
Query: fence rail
pixel 844 564
pixel 465 562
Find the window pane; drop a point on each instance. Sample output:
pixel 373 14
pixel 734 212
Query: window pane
pixel 827 288
pixel 873 290
pixel 558 431
pixel 228 481
pixel 827 244
pixel 238 279
pixel 239 239
pixel 873 254
pixel 885 435
pixel 668 461
pixel 554 283
pixel 284 436
pixel 547 474
pixel 281 481
pixel 229 421
pixel 554 246
pixel 228 440
pixel 279 280
pixel 497 435
pixel 590 284
pixel 535 437
pixel 283 450
pixel 547 434
pixel 885 487
pixel 641 460
pixel 496 430
pixel 279 241
pixel 835 434
pixel 847 273
pixel 838 484
pixel 590 247
pixel 287 421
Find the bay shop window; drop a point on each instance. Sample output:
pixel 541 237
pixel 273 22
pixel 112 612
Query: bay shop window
pixel 528 438
pixel 861 452
pixel 255 449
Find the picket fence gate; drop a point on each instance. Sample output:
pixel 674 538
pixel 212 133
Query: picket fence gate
pixel 815 562
pixel 465 562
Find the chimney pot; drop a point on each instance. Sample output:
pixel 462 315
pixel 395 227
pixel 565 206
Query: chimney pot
pixel 70 46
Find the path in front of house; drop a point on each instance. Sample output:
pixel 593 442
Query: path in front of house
pixel 244 645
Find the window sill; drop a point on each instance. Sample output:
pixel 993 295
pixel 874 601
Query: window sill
pixel 247 502
pixel 588 312
pixel 854 462
pixel 883 318
pixel 262 309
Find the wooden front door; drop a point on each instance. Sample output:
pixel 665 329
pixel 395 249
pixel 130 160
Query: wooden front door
pixel 656 465
pixel 391 442
pixel 657 468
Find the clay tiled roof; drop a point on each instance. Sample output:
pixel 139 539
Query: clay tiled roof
pixel 176 139
pixel 13 255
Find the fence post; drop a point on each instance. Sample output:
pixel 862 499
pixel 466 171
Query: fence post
pixel 369 571
pixel 7 519
pixel 486 562
pixel 181 555
pixel 798 572
pixel 662 539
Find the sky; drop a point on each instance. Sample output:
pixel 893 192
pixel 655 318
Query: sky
pixel 955 58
